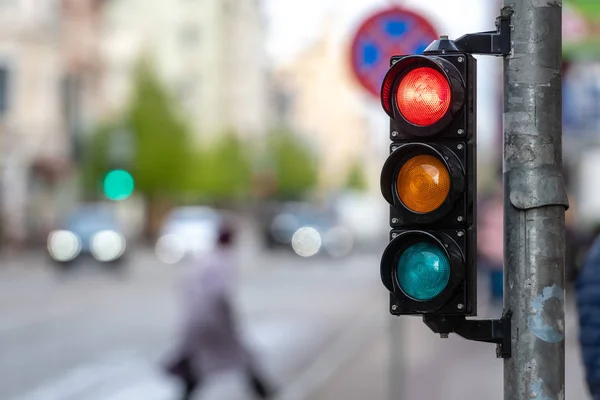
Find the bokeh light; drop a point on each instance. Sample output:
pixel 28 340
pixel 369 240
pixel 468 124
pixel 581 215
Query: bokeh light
pixel 118 185
pixel 306 241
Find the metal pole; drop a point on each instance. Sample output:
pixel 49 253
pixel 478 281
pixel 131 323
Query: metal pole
pixel 534 202
pixel 397 376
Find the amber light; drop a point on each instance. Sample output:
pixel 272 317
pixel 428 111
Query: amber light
pixel 423 96
pixel 423 183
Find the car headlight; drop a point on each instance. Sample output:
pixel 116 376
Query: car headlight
pixel 63 245
pixel 306 241
pixel 283 226
pixel 107 246
pixel 338 242
pixel 170 249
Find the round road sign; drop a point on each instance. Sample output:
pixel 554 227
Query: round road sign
pixel 392 31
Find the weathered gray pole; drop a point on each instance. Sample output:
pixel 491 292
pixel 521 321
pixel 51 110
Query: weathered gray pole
pixel 534 202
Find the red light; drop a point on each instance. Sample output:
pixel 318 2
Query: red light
pixel 423 96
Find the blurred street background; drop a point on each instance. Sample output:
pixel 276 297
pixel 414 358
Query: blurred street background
pixel 129 127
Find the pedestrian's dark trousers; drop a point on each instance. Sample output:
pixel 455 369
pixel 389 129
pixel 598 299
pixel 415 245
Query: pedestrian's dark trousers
pixel 190 386
pixel 257 384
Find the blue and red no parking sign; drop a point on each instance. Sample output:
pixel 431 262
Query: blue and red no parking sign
pixel 392 31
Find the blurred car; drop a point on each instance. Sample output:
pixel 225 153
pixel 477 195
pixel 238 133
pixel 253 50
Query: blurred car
pixel 91 230
pixel 308 231
pixel 366 217
pixel 187 231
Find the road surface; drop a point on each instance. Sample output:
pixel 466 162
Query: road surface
pixel 93 335
pixel 320 327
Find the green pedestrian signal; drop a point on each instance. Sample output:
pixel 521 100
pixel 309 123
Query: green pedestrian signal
pixel 118 185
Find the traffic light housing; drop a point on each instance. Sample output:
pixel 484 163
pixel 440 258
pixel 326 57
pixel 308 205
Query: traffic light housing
pixel 429 180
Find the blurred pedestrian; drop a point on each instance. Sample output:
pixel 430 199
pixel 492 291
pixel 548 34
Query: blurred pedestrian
pixel 210 341
pixel 577 243
pixel 587 292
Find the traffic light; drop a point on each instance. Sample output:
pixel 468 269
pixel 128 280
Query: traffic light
pixel 118 185
pixel 429 180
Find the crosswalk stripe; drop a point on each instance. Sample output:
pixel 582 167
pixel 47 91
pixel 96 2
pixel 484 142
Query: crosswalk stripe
pixel 118 369
pixel 125 375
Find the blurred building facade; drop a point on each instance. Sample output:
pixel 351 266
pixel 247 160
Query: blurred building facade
pixel 319 99
pixel 209 53
pixel 32 123
pixel 49 69
pixel 30 69
pixel 83 65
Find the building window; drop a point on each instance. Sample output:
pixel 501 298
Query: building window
pixel 4 94
pixel 190 35
pixel 228 8
pixel 12 10
pixel 284 102
pixel 70 87
pixel 6 5
pixel 188 89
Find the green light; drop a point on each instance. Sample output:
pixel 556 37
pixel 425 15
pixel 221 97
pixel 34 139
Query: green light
pixel 118 185
pixel 423 271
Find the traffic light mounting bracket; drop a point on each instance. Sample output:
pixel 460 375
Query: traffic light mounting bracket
pixel 495 43
pixel 481 330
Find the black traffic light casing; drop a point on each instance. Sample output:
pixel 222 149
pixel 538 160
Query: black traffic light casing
pixel 452 225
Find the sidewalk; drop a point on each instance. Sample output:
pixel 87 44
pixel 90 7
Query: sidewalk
pixel 431 368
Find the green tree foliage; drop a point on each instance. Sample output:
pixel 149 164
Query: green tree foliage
pixel 95 159
pixel 589 8
pixel 356 179
pixel 222 170
pixel 294 163
pixel 161 138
